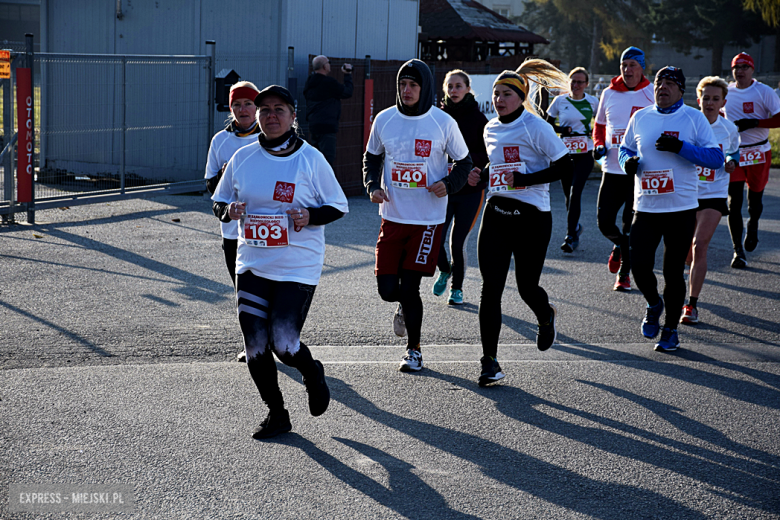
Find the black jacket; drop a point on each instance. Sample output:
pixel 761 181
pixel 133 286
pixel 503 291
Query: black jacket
pixel 471 123
pixel 323 102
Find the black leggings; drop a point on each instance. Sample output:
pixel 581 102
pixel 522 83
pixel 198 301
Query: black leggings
pixel 677 229
pixel 463 209
pixel 230 247
pixel 404 288
pixel 755 208
pixel 615 191
pixel 504 233
pixel 573 182
pixel 271 315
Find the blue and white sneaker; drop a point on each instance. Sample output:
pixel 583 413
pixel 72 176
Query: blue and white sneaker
pixel 669 341
pixel 440 285
pixel 650 323
pixel 456 297
pixel 412 361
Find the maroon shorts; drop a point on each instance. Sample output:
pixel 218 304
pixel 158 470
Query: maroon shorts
pixel 756 175
pixel 407 246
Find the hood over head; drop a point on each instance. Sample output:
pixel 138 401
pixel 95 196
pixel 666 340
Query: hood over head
pixel 421 74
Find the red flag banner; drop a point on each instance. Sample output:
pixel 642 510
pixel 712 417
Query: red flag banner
pixel 24 113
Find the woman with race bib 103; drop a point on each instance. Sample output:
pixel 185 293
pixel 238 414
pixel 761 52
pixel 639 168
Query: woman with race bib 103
pixel 282 192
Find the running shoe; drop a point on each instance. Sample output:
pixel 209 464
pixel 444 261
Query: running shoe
pixel 412 361
pixel 740 260
pixel 399 325
pixel 650 325
pixel 241 356
pixel 690 315
pixel 546 334
pixel 274 424
pixel 456 297
pixel 571 242
pixel 669 341
pixel 614 260
pixel 751 238
pixel 440 285
pixel 491 371
pixel 317 388
pixel 622 284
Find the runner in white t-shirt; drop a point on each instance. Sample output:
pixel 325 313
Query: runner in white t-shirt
pixel 627 93
pixel 662 147
pixel 713 188
pixel 405 172
pixel 754 108
pixel 574 112
pixel 241 131
pixel 280 191
pixel 525 156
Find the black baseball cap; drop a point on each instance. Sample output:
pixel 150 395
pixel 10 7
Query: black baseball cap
pixel 275 90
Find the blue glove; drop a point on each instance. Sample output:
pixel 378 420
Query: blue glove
pixel 599 152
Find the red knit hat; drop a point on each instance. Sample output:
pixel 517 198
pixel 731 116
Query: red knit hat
pixel 743 58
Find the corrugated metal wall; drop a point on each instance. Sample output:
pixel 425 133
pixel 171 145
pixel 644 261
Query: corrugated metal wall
pixel 252 37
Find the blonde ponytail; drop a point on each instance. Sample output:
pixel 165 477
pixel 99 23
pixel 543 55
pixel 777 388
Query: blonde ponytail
pixel 543 74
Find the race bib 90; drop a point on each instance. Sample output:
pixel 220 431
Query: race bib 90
pixel 498 182
pixel 265 230
pixel 408 175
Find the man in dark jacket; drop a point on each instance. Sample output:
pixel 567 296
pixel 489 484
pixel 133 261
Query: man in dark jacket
pixel 323 105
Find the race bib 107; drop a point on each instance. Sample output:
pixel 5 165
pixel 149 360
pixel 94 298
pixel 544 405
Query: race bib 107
pixel 657 182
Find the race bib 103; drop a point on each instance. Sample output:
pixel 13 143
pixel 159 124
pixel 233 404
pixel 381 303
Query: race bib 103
pixel 266 230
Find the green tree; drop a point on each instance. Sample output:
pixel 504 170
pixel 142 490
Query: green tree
pixel 707 24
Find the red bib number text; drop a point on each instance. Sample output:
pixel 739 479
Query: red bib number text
pixel 266 230
pixel 657 182
pixel 498 173
pixel 408 175
pixel 705 174
pixel 576 144
pixel 750 156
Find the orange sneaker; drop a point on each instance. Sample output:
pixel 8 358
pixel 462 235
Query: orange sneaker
pixel 690 315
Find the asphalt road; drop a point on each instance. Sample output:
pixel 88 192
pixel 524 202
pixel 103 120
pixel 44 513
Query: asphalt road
pixel 117 345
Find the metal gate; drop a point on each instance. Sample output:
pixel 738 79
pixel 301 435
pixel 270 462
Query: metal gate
pixel 109 127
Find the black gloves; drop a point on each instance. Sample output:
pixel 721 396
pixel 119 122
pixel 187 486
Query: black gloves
pixel 599 152
pixel 746 124
pixel 668 143
pixel 631 165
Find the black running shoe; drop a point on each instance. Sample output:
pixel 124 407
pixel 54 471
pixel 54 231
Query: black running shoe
pixel 274 424
pixel 740 260
pixel 751 238
pixel 545 336
pixel 491 371
pixel 317 388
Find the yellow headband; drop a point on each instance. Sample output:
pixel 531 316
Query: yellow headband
pixel 515 84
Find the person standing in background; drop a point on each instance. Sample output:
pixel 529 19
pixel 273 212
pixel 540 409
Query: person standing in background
pixel 323 105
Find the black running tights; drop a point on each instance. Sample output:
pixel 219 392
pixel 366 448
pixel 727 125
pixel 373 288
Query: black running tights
pixel 755 208
pixel 404 288
pixel 271 315
pixel 573 182
pixel 616 191
pixel 462 211
pixel 511 228
pixel 676 229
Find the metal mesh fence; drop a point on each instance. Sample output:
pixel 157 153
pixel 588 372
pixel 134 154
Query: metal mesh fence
pixel 114 122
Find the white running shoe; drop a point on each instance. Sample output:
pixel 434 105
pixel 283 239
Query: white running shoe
pixel 412 361
pixel 399 325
